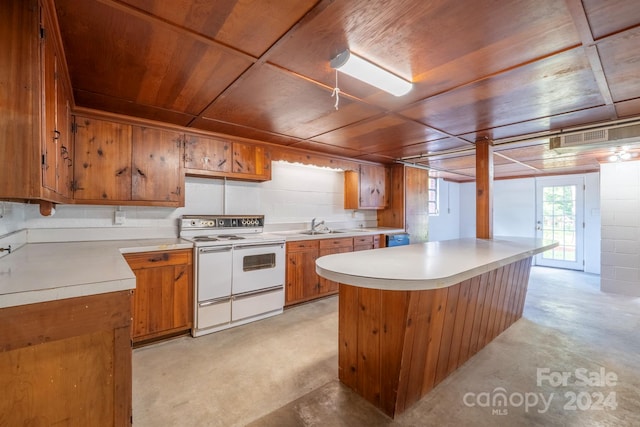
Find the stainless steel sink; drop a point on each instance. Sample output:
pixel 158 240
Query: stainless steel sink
pixel 314 233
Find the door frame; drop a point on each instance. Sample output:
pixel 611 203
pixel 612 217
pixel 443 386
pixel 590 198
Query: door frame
pixel 579 182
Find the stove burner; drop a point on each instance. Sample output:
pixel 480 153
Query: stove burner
pixel 205 239
pixel 217 238
pixel 229 237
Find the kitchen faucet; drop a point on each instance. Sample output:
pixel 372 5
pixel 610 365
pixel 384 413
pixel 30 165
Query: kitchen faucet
pixel 314 225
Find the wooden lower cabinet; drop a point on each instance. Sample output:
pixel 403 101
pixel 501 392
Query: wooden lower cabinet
pixel 329 247
pixel 67 362
pixel 162 303
pixel 302 282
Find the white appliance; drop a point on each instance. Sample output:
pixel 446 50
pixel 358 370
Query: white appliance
pixel 239 271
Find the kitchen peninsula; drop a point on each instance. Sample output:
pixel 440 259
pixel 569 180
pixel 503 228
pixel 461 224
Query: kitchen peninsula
pixel 411 315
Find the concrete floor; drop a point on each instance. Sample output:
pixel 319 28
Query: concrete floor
pixel 282 371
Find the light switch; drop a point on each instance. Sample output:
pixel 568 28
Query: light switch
pixel 119 217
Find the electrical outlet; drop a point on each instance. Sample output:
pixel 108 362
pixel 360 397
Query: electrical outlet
pixel 119 217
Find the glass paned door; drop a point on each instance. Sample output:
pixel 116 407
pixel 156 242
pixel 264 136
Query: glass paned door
pixel 560 218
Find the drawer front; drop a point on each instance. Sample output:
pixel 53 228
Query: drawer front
pixel 362 240
pixel 302 245
pixel 336 243
pixel 158 258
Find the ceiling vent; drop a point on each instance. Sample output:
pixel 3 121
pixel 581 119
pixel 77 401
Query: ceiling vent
pixel 614 136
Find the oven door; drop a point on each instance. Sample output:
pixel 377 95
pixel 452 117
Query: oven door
pixel 214 271
pixel 213 287
pixel 257 266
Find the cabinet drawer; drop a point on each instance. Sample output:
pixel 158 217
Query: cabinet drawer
pixel 362 240
pixel 158 258
pixel 302 245
pixel 336 243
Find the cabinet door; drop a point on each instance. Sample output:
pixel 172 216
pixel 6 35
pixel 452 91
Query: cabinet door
pixel 363 243
pixel 250 159
pixel 163 299
pixel 207 154
pixel 65 140
pixel 372 186
pixel 302 282
pixel 329 286
pixel 156 165
pixel 102 165
pixel 49 140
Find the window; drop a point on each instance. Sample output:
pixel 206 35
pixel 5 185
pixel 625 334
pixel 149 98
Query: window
pixel 433 195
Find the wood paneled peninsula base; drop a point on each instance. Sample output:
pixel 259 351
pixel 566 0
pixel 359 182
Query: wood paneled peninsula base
pixel 411 315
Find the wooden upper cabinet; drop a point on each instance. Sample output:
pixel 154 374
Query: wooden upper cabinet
pixel 207 154
pixel 57 147
pixel 218 157
pixel 64 137
pixel 118 163
pixel 33 130
pixel 102 160
pixel 366 188
pixel 156 173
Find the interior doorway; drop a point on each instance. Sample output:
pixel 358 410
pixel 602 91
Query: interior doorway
pixel 560 217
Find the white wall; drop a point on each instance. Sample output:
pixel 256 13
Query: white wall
pixel 446 225
pixel 620 212
pixel 294 196
pixel 468 209
pixel 514 213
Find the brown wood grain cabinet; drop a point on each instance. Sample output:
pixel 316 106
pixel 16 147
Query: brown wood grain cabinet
pixel 363 243
pixel 119 163
pixel 163 300
pixel 218 157
pixel 34 125
pixel 302 282
pixel 207 155
pixel 67 362
pixel 329 247
pixel 366 188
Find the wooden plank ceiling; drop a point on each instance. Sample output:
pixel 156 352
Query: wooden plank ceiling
pixel 506 71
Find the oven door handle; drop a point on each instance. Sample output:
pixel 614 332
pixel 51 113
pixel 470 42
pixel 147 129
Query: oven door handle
pixel 259 245
pixel 257 292
pixel 209 250
pixel 213 301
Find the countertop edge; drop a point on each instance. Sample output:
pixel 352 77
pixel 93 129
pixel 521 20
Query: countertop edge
pixel 426 283
pixel 70 287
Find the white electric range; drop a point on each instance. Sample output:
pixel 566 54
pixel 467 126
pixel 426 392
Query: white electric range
pixel 239 271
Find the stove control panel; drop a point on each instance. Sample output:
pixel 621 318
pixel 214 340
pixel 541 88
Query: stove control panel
pixel 221 221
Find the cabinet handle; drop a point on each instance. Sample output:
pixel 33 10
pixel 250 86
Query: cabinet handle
pixel 163 257
pixel 121 171
pixel 56 134
pixel 141 173
pixel 222 162
pixel 179 276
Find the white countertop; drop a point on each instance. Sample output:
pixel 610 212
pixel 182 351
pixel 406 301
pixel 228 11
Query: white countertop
pixel 429 265
pixel 39 272
pixel 296 235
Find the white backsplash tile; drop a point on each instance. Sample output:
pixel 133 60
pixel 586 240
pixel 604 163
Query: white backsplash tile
pixel 294 196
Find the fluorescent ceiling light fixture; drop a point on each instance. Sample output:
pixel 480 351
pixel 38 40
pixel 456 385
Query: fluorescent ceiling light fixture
pixel 367 72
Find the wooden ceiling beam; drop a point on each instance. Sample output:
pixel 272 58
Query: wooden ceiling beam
pixel 153 19
pixel 579 16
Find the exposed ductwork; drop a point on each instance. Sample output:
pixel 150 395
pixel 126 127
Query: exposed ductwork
pixel 604 137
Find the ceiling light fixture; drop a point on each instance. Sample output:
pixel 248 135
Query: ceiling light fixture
pixel 358 67
pixel 621 155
